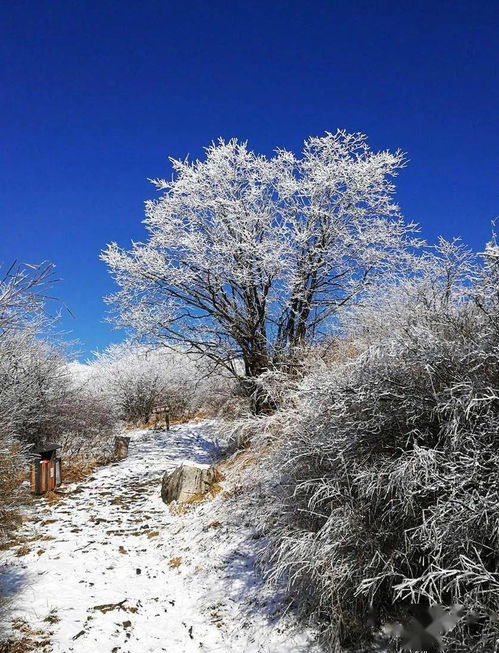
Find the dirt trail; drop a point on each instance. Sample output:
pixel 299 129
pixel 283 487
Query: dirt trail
pixel 113 570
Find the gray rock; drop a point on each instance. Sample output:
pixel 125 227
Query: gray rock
pixel 186 483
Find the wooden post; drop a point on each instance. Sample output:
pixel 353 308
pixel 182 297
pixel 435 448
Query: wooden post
pixel 161 412
pixel 121 443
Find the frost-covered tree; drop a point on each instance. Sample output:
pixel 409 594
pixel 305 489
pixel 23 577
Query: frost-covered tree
pixel 38 401
pixel 22 296
pixel 23 292
pixel 249 256
pixel 136 379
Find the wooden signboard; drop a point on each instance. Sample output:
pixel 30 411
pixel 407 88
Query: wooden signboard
pixel 162 412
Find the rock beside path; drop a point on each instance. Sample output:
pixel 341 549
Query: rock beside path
pixel 187 483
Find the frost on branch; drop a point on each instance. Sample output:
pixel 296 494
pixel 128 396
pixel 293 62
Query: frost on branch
pixel 248 257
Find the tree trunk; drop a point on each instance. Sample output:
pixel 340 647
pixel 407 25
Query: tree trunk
pixel 261 403
pixel 255 366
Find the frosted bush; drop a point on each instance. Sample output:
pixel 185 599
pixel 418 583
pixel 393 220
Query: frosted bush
pixel 387 493
pixel 22 298
pixel 136 379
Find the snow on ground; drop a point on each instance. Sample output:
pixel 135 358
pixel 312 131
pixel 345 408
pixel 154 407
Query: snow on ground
pixel 114 570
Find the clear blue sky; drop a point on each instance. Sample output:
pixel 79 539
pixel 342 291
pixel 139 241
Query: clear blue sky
pixel 96 95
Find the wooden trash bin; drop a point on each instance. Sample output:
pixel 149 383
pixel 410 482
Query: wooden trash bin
pixel 46 469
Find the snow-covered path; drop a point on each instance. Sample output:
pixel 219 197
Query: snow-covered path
pixel 113 570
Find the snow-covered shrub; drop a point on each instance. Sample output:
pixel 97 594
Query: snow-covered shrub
pixel 85 423
pixel 22 291
pixel 42 399
pixel 12 466
pixel 137 379
pixel 30 372
pixel 388 485
pixel 39 399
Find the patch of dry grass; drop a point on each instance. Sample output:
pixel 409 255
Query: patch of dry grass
pixel 175 562
pixel 243 459
pixel 215 488
pixel 77 469
pixel 197 497
pixel 25 645
pixel 23 550
pixel 32 639
pixel 8 544
pixel 52 497
pixel 52 617
pixel 10 520
pixel 177 509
